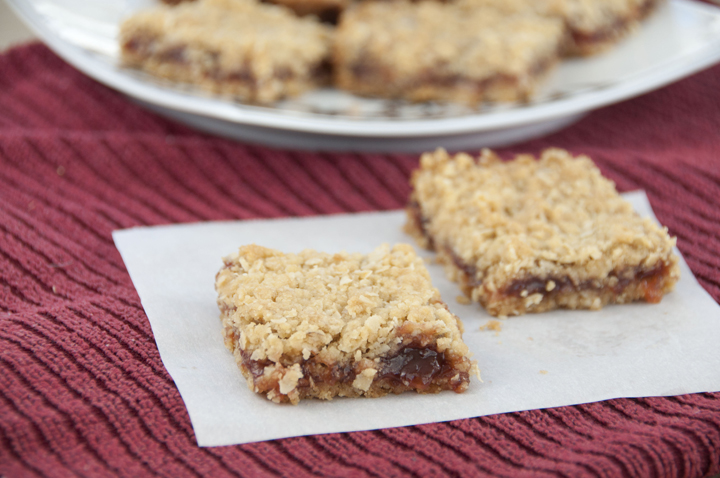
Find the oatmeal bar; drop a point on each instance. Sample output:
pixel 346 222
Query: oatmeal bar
pixel 256 52
pixel 434 51
pixel 324 325
pixel 535 235
pixel 594 25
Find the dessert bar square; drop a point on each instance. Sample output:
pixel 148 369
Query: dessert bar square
pixel 435 51
pixel 256 52
pixel 533 235
pixel 323 325
pixel 594 25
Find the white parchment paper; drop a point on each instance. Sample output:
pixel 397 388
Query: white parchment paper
pixel 535 361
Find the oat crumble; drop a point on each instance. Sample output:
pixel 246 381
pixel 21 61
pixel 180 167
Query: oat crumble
pixel 323 325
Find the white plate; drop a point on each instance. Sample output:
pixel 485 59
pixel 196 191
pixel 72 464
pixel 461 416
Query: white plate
pixel 680 38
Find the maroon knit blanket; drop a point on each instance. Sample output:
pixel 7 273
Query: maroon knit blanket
pixel 83 391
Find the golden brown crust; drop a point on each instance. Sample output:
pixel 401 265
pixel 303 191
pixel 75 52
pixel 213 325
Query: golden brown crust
pixel 325 325
pixel 433 51
pixel 534 235
pixel 256 52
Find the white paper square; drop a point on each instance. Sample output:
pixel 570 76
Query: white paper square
pixel 535 361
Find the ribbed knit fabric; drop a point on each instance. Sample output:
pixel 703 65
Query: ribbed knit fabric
pixel 83 391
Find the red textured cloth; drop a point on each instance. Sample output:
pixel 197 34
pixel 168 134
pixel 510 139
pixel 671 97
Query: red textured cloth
pixel 83 391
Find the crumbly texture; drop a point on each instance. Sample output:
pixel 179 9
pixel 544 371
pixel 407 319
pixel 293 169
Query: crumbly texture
pixel 434 51
pixel 323 325
pixel 594 25
pixel 256 52
pixel 533 235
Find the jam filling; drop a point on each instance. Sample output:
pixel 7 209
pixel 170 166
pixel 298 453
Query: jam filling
pixel 421 223
pixel 175 54
pixel 413 364
pixel 471 276
pixel 146 46
pixel 412 367
pixel 330 15
pixel 650 282
pixel 139 45
pixel 418 368
pixel 326 12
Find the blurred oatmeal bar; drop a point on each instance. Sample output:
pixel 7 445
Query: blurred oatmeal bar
pixel 256 52
pixel 316 325
pixel 532 235
pixel 434 51
pixel 594 25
